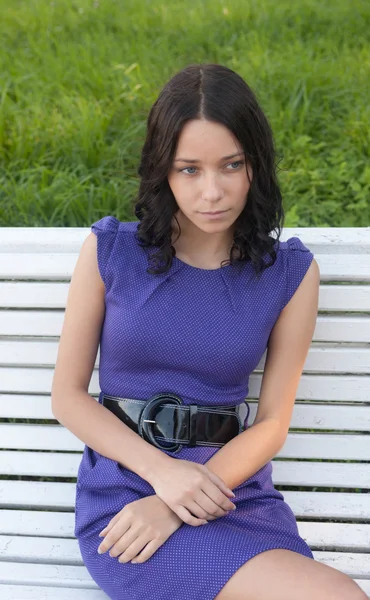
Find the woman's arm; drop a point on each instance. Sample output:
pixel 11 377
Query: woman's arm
pixel 288 347
pixel 72 405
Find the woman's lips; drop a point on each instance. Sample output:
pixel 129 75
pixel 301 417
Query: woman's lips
pixel 214 215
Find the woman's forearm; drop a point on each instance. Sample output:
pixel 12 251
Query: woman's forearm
pixel 101 430
pixel 105 433
pixel 245 454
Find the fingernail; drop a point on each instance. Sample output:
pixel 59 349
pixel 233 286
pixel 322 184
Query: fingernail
pixel 234 507
pixel 100 551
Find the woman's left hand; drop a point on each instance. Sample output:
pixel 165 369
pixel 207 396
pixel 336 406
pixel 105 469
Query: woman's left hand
pixel 139 529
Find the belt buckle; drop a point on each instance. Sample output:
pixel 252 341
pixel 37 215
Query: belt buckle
pixel 144 425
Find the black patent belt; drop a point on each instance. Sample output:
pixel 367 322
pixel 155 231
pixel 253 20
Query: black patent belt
pixel 165 418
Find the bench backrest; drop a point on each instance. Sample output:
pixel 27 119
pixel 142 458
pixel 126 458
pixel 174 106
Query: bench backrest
pixel 331 419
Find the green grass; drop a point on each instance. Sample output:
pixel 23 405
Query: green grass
pixel 77 79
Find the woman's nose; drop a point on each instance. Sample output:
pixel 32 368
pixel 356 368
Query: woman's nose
pixel 211 189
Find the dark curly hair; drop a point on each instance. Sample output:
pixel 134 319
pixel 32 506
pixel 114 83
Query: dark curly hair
pixel 216 93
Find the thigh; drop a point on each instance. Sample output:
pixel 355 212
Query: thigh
pixel 287 575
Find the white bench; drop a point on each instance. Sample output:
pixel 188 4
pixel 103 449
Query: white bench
pixel 39 556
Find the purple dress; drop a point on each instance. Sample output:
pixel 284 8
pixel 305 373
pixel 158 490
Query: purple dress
pixel 198 333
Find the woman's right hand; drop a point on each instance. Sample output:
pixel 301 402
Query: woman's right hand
pixel 189 489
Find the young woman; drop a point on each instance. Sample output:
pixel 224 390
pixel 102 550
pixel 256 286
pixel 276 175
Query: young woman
pixel 184 302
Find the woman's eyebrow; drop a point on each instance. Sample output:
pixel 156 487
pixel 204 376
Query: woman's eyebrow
pixel 195 160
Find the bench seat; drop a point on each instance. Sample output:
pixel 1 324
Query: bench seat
pixel 323 470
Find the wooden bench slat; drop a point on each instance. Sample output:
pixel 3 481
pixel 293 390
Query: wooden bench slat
pixel 329 505
pixel 342 329
pixel 20 592
pixel 337 359
pixel 326 446
pixel 53 266
pixel 43 323
pixel 25 574
pixel 351 298
pixel 330 387
pixel 44 295
pixel 59 266
pixel 65 551
pixel 28 592
pixel 354 565
pixel 330 416
pixel 53 295
pixel 297 445
pixel 61 496
pixel 42 524
pixel 40 550
pixel 65 576
pixel 321 474
pixel 59 239
pixel 338 388
pixel 287 472
pixel 37 380
pixel 56 239
pixel 48 323
pixel 305 415
pixel 337 536
pixel 323 536
pixel 39 464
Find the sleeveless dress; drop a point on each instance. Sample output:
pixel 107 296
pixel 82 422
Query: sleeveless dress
pixel 197 333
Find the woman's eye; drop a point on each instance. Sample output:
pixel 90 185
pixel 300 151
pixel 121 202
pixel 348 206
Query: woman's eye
pixel 238 163
pixel 183 170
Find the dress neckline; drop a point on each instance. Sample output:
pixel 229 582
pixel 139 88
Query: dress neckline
pixel 185 264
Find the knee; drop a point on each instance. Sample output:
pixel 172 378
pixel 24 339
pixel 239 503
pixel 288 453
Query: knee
pixel 359 594
pixel 351 592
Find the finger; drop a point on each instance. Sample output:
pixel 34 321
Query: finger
pixel 128 548
pixel 216 495
pixel 124 543
pixel 186 516
pixel 112 522
pixel 148 551
pixel 208 506
pixel 220 484
pixel 198 509
pixel 114 535
pixel 138 546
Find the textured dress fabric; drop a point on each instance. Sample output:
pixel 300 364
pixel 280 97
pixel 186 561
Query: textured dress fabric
pixel 197 333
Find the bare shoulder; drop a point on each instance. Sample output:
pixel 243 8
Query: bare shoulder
pixel 287 350
pixel 83 318
pixel 306 294
pixel 296 322
pixel 87 262
pixel 313 273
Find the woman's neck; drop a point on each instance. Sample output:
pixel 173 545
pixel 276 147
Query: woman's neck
pixel 194 244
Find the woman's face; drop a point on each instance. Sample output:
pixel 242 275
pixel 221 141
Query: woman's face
pixel 209 174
